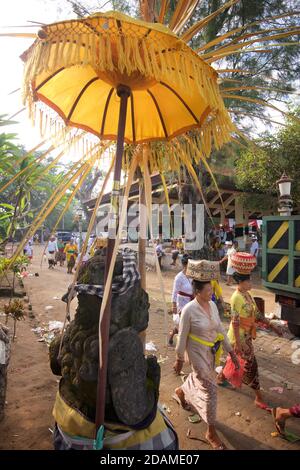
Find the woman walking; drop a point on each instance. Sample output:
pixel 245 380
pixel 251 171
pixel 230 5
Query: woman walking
pixel 60 255
pixel 182 294
pixel 242 330
pixel 201 336
pixel 71 251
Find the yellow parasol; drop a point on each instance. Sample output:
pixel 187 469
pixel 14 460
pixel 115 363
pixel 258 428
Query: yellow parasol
pixel 125 80
pixel 76 67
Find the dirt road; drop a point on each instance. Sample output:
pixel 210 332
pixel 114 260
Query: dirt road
pixel 32 387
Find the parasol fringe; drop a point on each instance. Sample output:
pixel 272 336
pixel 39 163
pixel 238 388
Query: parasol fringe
pixel 68 50
pixel 147 60
pixel 215 133
pixel 86 38
pixel 151 60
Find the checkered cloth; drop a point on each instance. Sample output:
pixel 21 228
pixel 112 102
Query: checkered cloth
pixel 164 440
pixel 129 277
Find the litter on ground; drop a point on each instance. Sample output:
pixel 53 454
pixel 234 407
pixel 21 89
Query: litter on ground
pixel 276 389
pixel 150 346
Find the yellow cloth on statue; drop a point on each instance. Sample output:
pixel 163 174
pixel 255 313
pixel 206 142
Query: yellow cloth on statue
pixel 75 424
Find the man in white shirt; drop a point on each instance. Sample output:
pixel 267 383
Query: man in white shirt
pixel 254 246
pixel 182 294
pixel 52 249
pixel 231 250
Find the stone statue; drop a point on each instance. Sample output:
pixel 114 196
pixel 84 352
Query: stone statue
pixel 133 380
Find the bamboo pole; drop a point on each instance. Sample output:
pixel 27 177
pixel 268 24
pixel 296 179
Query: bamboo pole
pixel 142 225
pixel 124 93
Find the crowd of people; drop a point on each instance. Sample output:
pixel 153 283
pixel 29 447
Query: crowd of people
pixel 222 245
pixel 223 237
pixel 59 252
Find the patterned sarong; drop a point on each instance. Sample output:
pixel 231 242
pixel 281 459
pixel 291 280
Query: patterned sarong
pixel 251 368
pixel 201 394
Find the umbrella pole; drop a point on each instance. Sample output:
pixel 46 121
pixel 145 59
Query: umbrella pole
pixel 123 92
pixel 142 234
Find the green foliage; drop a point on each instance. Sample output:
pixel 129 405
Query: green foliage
pixel 22 200
pixel 253 169
pixel 261 203
pixel 276 68
pixel 260 167
pixel 17 265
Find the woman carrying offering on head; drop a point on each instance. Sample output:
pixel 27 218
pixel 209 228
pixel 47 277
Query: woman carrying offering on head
pixel 201 337
pixel 244 314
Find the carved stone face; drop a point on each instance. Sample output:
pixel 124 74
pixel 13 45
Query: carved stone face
pixel 93 271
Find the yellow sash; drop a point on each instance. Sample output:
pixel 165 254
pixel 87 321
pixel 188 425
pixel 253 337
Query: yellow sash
pixel 219 337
